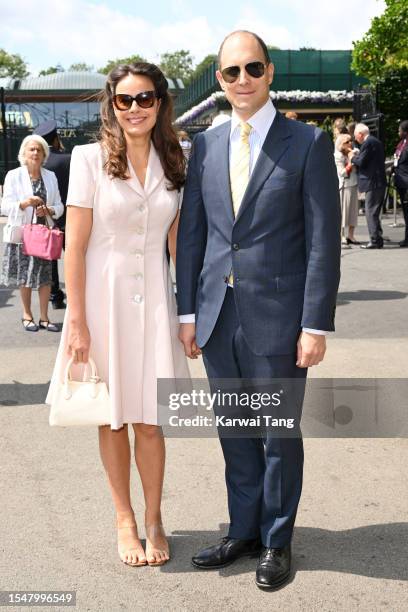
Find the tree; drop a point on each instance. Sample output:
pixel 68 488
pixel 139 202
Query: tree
pixel 81 67
pixel 177 65
pixel 125 60
pixel 203 65
pixel 12 65
pixel 51 70
pixel 384 48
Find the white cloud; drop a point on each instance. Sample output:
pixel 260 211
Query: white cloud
pixel 329 25
pixel 80 31
pixel 68 32
pixel 252 20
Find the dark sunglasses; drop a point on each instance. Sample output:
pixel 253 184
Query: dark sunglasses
pixel 144 99
pixel 254 69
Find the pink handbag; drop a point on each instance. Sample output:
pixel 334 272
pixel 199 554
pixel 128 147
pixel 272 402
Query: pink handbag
pixel 42 240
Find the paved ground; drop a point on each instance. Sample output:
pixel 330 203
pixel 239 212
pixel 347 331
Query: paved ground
pixel 351 539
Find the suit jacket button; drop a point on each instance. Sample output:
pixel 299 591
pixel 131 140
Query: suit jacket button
pixel 235 246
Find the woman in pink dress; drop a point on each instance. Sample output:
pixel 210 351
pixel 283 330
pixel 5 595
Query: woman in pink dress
pixel 122 212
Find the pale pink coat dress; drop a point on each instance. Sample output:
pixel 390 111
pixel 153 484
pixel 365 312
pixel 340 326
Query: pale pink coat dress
pixel 130 302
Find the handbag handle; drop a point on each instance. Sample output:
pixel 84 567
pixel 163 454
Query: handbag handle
pixel 46 217
pixel 93 379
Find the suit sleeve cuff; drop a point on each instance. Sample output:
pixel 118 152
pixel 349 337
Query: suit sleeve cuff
pixel 318 332
pixel 188 318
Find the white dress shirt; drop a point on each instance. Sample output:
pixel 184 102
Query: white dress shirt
pixel 261 123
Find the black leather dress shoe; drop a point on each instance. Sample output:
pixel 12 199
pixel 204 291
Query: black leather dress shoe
pixel 58 305
pixel 371 245
pixel 404 244
pixel 273 567
pixel 226 552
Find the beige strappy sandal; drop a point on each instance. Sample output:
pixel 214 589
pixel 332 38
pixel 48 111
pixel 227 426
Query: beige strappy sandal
pixel 151 551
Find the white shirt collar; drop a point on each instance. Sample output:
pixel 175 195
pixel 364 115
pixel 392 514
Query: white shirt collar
pixel 261 121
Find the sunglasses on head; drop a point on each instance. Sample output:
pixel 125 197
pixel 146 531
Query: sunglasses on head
pixel 144 99
pixel 254 69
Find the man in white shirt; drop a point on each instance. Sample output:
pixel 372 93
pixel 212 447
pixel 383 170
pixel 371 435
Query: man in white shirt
pixel 257 277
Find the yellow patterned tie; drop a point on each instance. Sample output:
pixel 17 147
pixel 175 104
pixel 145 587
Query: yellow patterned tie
pixel 240 167
pixel 239 172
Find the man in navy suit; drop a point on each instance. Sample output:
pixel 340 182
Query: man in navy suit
pixel 370 162
pixel 257 276
pixel 59 162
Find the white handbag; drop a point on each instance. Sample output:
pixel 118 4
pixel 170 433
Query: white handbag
pixel 13 230
pixel 80 403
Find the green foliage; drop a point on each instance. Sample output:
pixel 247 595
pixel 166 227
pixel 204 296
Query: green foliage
pixel 51 70
pixel 81 67
pixel 12 65
pixel 132 59
pixel 203 65
pixel 391 101
pixel 384 48
pixel 327 126
pixel 178 64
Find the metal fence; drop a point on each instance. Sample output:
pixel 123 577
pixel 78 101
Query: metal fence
pixel 314 70
pixel 10 144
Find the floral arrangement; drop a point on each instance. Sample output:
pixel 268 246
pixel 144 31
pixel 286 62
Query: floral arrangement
pixel 297 95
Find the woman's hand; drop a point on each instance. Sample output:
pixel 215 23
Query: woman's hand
pixel 31 201
pixel 41 210
pixel 79 341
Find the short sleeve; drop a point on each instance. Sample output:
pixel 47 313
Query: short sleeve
pixel 82 184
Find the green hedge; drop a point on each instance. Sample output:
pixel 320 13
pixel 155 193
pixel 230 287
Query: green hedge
pixel 392 101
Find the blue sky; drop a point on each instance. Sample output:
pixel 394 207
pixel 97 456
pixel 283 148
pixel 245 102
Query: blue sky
pixel 95 31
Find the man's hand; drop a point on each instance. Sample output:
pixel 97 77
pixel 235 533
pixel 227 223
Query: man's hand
pixel 310 349
pixel 187 338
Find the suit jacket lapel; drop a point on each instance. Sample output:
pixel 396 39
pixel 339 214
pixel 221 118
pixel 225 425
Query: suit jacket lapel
pixel 26 182
pixel 48 187
pixel 276 143
pixel 221 170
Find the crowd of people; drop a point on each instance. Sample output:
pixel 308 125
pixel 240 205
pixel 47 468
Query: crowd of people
pixel 360 161
pixel 123 208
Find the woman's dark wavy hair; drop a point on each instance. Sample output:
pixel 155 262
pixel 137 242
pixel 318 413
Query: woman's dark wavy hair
pixel 163 135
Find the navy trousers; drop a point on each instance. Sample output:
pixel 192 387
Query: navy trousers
pixel 263 475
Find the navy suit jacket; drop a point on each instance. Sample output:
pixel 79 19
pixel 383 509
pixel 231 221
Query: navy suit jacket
pixel 283 246
pixel 370 162
pixel 59 162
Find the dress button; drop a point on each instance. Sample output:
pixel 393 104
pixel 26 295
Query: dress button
pixel 139 276
pixel 138 299
pixel 140 230
pixel 142 208
pixel 137 253
pixel 235 246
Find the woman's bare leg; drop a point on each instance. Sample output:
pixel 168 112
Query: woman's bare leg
pixel 115 453
pixel 25 294
pixel 44 295
pixel 150 459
